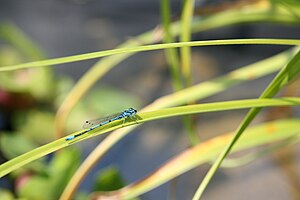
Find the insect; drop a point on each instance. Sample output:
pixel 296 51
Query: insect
pixel 93 124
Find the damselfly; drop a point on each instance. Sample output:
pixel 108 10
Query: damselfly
pixel 93 124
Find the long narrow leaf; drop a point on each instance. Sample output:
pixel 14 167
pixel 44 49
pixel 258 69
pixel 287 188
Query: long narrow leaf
pixel 99 54
pixel 185 36
pixel 144 117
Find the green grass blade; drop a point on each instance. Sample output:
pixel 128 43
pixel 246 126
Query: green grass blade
pixel 99 54
pixel 185 36
pixel 286 75
pixel 171 54
pixel 186 68
pixel 19 161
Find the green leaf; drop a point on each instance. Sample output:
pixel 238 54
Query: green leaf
pixel 185 36
pixel 13 145
pixel 61 169
pixel 17 162
pixel 109 179
pixel 9 56
pixel 171 54
pixel 39 82
pixel 36 188
pixel 29 124
pixel 6 194
pixel 99 54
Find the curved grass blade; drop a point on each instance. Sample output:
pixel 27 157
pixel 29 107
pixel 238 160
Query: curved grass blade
pixel 19 161
pixel 185 36
pixel 99 54
pixel 186 68
pixel 170 54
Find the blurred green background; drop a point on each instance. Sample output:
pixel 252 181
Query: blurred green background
pixel 34 30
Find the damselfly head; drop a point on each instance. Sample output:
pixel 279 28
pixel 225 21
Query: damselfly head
pixel 130 112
